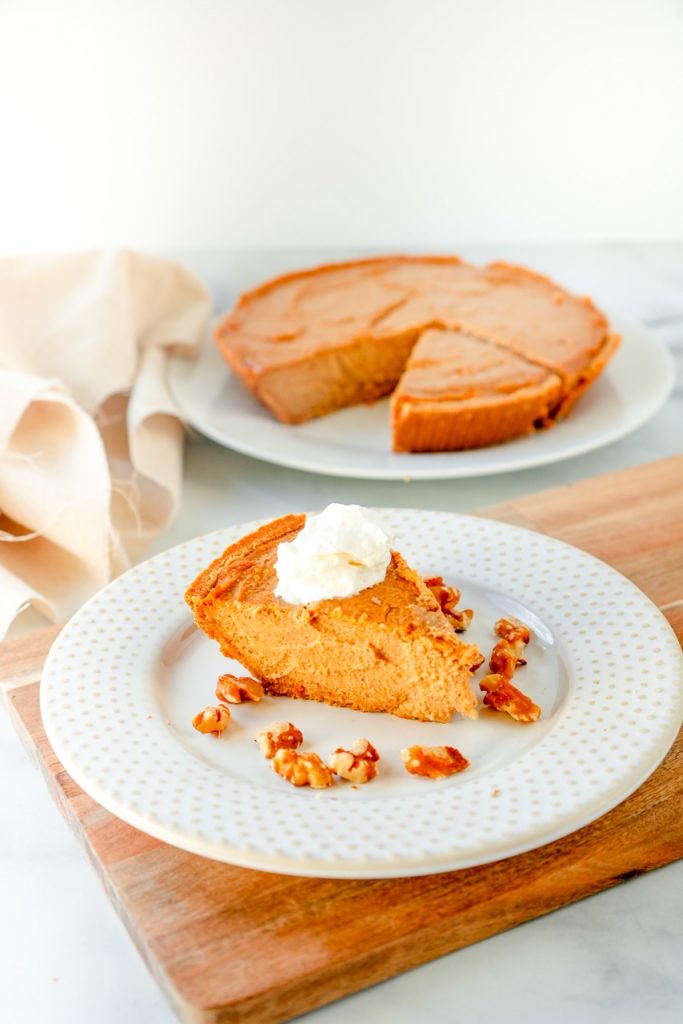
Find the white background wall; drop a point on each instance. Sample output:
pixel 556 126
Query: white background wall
pixel 199 123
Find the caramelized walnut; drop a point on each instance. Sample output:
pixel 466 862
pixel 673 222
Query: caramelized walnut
pixel 235 689
pixel 433 762
pixel 448 598
pixel 481 658
pixel 507 653
pixel 213 720
pixel 279 736
pixel 357 764
pixel 305 769
pixel 513 631
pixel 502 695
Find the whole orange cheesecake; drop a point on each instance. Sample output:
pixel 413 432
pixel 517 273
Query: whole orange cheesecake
pixel 473 355
pixel 387 648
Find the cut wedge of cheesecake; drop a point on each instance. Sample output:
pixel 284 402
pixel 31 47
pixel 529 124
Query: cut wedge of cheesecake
pixel 388 648
pixel 460 391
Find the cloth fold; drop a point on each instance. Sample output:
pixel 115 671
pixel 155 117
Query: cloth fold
pixel 91 440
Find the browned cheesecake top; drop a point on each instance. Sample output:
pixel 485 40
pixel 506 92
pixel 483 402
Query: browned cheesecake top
pixel 293 316
pixel 245 572
pixel 449 365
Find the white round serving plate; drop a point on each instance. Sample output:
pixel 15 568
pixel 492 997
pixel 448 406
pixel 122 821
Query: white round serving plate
pixel 356 442
pixel 129 671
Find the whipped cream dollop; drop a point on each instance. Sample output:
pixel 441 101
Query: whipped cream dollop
pixel 338 553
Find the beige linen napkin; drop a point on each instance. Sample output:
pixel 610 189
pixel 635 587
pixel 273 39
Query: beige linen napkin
pixel 90 437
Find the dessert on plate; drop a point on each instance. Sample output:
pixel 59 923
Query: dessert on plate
pixel 473 355
pixel 323 609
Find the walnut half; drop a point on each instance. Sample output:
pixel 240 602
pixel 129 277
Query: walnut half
pixel 434 762
pixel 502 695
pixel 448 598
pixel 507 654
pixel 279 736
pixel 235 689
pixel 302 769
pixel 212 720
pixel 357 764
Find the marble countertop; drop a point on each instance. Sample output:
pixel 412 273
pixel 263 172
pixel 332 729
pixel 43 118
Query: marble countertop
pixel 617 956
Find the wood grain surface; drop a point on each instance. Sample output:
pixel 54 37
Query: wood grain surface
pixel 232 945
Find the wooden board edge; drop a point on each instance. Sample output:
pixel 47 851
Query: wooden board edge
pixel 306 993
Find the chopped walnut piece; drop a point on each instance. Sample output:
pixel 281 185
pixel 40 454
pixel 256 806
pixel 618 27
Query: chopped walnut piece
pixel 448 598
pixel 459 618
pixel 502 695
pixel 502 660
pixel 213 720
pixel 434 762
pixel 235 689
pixel 513 630
pixel 357 764
pixel 443 593
pixel 279 736
pixel 302 769
pixel 481 658
pixel 506 655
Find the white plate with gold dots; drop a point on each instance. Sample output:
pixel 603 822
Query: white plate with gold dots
pixel 128 673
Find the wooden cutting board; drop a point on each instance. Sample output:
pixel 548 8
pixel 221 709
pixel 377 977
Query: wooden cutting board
pixel 228 944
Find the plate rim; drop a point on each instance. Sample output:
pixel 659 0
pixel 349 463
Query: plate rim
pixel 421 471
pixel 333 868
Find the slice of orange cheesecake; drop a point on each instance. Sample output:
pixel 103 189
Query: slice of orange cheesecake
pixel 388 647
